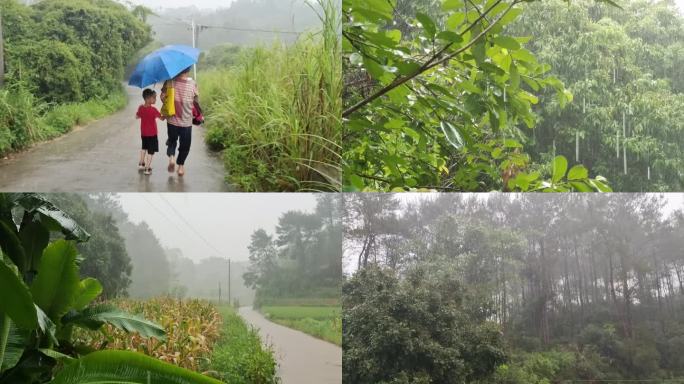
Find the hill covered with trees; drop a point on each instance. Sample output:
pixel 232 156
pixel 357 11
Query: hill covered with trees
pixel 513 288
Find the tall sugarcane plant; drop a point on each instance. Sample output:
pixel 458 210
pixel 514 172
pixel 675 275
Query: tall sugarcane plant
pixel 42 300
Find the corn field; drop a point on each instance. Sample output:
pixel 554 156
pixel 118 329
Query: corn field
pixel 192 328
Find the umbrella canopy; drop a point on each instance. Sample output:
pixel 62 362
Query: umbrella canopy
pixel 163 64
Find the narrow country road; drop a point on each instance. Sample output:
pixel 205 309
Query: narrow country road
pixel 302 359
pixel 103 157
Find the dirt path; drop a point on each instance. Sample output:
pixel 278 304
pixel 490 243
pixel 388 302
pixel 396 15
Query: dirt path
pixel 103 157
pixel 302 359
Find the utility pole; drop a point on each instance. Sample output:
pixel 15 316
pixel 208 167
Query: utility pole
pixel 194 45
pixel 230 298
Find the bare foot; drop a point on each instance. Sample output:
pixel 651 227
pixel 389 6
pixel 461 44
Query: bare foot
pixel 172 167
pixel 181 170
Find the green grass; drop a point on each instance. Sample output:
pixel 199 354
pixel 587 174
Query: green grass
pixel 323 322
pixel 239 356
pixel 276 115
pixel 26 120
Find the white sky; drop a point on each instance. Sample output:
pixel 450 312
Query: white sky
pixel 225 220
pixel 202 4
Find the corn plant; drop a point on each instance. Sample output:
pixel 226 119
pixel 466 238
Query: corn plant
pixel 192 328
pixel 42 301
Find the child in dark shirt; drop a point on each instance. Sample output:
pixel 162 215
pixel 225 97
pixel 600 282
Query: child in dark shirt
pixel 148 115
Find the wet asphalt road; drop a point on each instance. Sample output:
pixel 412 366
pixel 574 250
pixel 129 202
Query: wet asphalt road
pixel 302 359
pixel 103 157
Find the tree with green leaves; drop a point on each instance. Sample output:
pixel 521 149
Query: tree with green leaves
pixel 303 258
pixel 440 96
pixel 624 67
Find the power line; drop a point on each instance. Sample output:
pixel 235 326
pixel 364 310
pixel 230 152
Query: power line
pixel 168 219
pixel 178 214
pixel 233 28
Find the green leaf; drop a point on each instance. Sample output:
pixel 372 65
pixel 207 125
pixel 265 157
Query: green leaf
pixel 34 238
pixel 55 287
pixel 455 20
pixel 16 343
pixel 10 244
pixel 428 24
pixel 452 134
pixel 449 5
pixel 88 290
pixel 507 42
pixel 94 317
pixel 450 36
pixel 47 327
pixel 578 172
pixel 52 217
pixel 123 367
pixel 560 165
pixel 580 186
pixel 15 299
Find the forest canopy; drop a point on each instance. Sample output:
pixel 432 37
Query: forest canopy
pixel 551 288
pixel 494 95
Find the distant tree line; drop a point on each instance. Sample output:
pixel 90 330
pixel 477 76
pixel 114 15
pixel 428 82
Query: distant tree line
pixel 303 258
pixel 513 289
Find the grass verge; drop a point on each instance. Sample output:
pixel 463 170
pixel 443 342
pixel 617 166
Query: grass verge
pixel 26 120
pixel 323 322
pixel 276 115
pixel 239 356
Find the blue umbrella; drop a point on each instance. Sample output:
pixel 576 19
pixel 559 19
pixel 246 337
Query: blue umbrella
pixel 163 64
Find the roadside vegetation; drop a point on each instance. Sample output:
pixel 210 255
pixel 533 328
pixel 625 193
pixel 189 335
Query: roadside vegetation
pixel 239 356
pixel 65 62
pixel 192 329
pixel 322 322
pixel 298 273
pixel 275 112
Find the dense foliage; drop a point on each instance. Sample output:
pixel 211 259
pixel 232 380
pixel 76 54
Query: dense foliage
pixel 43 300
pixel 275 115
pixel 303 259
pixel 625 68
pixel 439 96
pixel 421 327
pixel 104 255
pixel 583 287
pixel 240 356
pixel 65 62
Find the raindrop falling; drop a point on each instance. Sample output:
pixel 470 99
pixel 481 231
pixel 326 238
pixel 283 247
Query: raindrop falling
pixel 504 94
pixel 617 144
pixel 648 172
pixel 584 105
pixel 624 157
pixel 577 146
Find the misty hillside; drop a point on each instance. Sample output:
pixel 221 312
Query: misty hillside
pixel 172 26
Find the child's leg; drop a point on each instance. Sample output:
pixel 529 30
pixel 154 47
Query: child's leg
pixel 148 164
pixel 141 163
